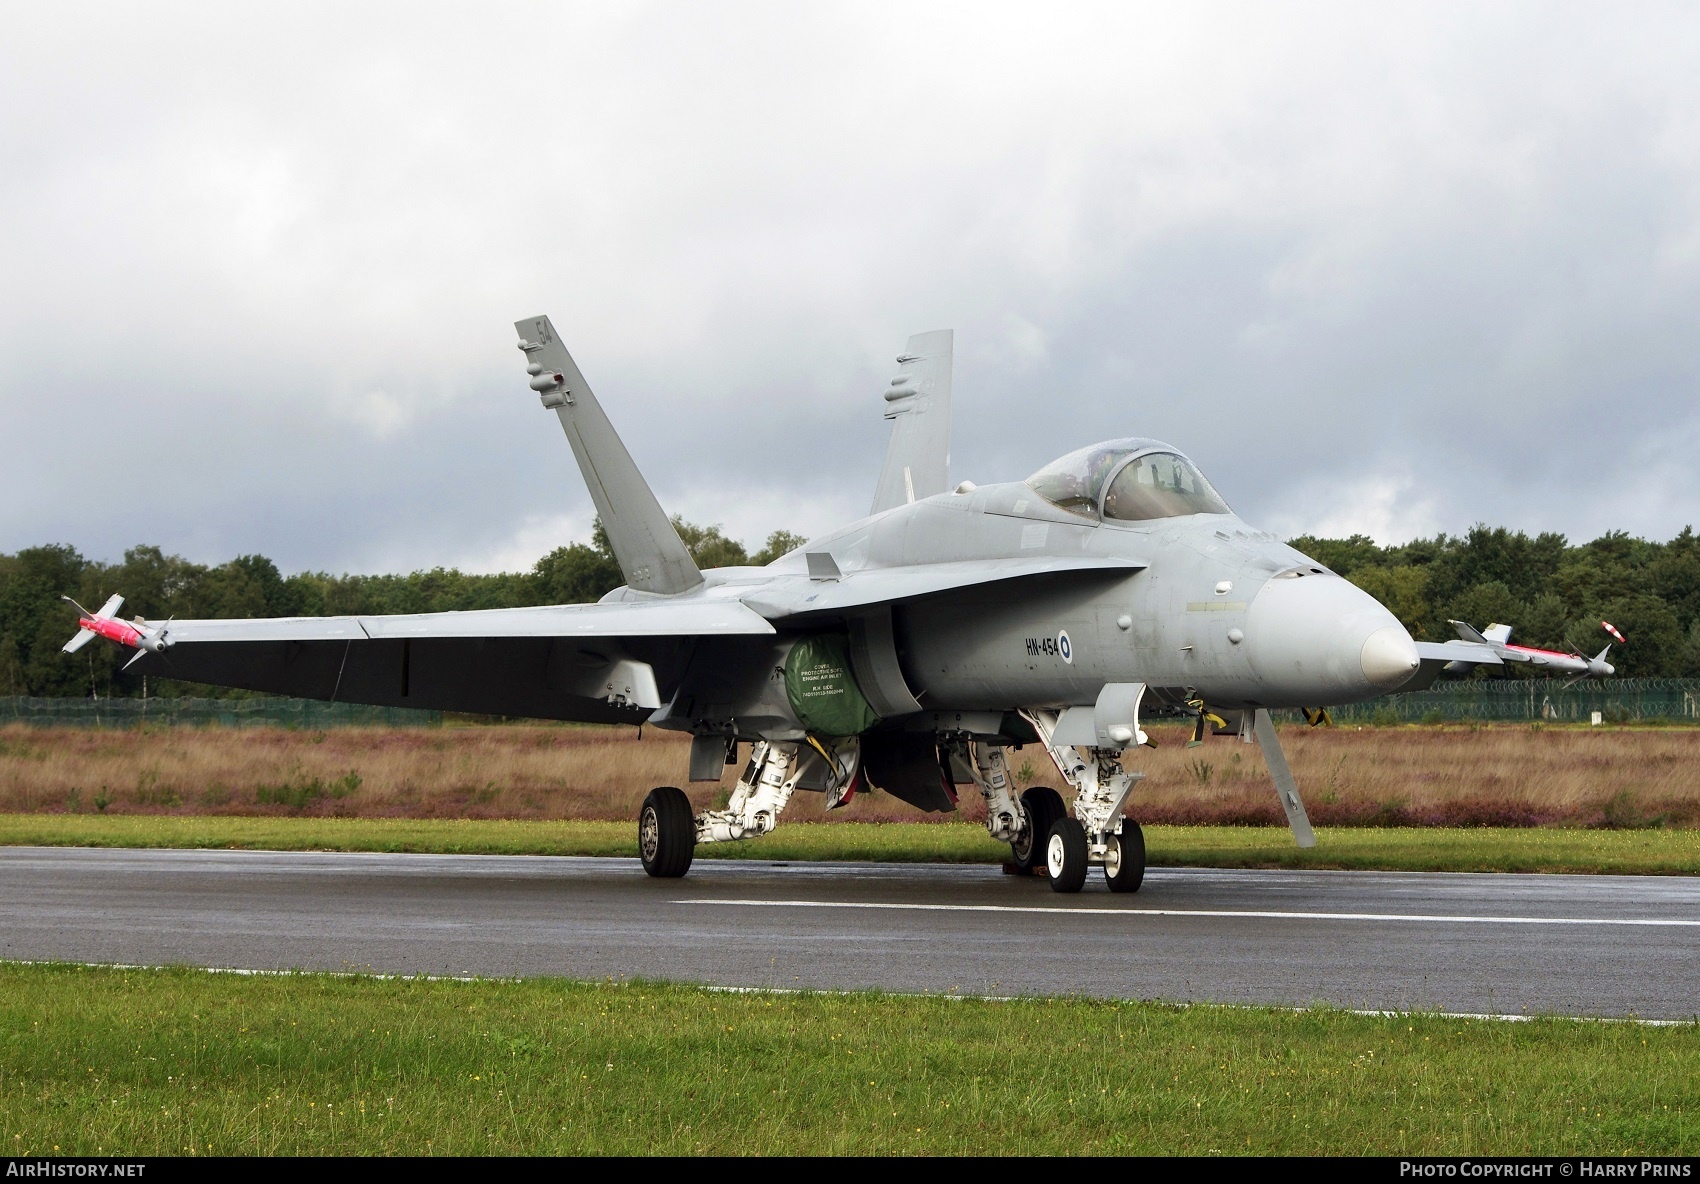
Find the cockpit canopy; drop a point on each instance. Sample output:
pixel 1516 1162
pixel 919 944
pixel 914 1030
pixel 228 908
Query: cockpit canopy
pixel 1134 480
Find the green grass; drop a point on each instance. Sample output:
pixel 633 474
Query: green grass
pixel 167 1062
pixel 1535 849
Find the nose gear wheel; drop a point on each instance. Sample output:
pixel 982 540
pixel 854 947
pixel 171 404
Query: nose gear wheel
pixel 1124 858
pixel 1065 856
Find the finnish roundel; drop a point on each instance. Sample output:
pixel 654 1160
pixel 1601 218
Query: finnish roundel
pixel 1065 647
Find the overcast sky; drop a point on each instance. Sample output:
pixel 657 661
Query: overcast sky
pixel 1379 268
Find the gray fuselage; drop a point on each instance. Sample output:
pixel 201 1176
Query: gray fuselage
pixel 1220 611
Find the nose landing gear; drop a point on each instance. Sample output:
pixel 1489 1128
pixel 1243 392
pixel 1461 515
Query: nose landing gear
pixel 1069 853
pixel 1066 856
pixel 1038 829
pixel 1124 858
pixel 1097 834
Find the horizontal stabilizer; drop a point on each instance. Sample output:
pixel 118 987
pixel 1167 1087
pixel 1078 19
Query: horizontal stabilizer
pixel 83 637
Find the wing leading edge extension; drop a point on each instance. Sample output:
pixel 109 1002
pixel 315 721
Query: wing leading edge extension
pixel 890 585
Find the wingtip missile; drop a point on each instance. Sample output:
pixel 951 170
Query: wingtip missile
pixel 140 636
pixel 1497 638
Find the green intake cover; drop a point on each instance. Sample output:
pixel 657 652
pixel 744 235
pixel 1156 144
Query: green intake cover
pixel 822 690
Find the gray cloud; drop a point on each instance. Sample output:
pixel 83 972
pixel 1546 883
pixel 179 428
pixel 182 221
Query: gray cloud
pixel 1397 272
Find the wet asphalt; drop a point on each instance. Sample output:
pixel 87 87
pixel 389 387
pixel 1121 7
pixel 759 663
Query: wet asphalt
pixel 1497 944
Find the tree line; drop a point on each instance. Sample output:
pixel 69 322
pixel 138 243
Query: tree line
pixel 1554 593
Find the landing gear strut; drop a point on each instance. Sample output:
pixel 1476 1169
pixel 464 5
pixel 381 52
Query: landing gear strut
pixel 1024 824
pixel 668 833
pixel 759 797
pixel 1097 834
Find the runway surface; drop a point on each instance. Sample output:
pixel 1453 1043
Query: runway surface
pixel 1569 945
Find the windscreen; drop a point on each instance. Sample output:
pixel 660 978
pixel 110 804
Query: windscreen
pixel 1160 485
pixel 1074 482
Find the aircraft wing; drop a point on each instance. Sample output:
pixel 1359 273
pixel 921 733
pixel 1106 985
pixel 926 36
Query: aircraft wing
pixel 1478 653
pixel 690 618
pixel 827 593
pixel 591 662
pixel 1437 656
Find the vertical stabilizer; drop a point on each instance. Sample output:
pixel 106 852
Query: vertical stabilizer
pixel 917 461
pixel 651 555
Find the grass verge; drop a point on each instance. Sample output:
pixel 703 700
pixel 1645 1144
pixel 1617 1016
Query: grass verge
pixel 1507 849
pixel 172 1062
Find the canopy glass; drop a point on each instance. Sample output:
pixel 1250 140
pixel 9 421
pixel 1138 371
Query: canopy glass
pixel 1127 483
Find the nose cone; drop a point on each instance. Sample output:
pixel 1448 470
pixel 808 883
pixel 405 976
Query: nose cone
pixel 1389 657
pixel 1319 639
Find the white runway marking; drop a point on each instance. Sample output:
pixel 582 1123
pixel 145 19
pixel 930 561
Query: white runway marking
pixel 1422 918
pixel 949 996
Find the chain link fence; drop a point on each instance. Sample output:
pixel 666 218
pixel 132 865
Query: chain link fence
pixel 230 713
pixel 1617 700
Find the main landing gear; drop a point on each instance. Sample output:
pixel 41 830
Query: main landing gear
pixel 1039 831
pixel 668 832
pixel 1037 826
pixel 1044 809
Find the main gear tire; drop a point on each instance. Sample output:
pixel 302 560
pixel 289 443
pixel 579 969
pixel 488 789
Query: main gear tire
pixel 1124 862
pixel 667 833
pixel 1043 806
pixel 1065 855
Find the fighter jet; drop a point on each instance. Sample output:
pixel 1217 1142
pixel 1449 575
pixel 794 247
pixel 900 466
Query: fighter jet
pixel 909 650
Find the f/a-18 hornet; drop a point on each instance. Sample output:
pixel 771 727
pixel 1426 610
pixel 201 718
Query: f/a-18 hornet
pixel 909 650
